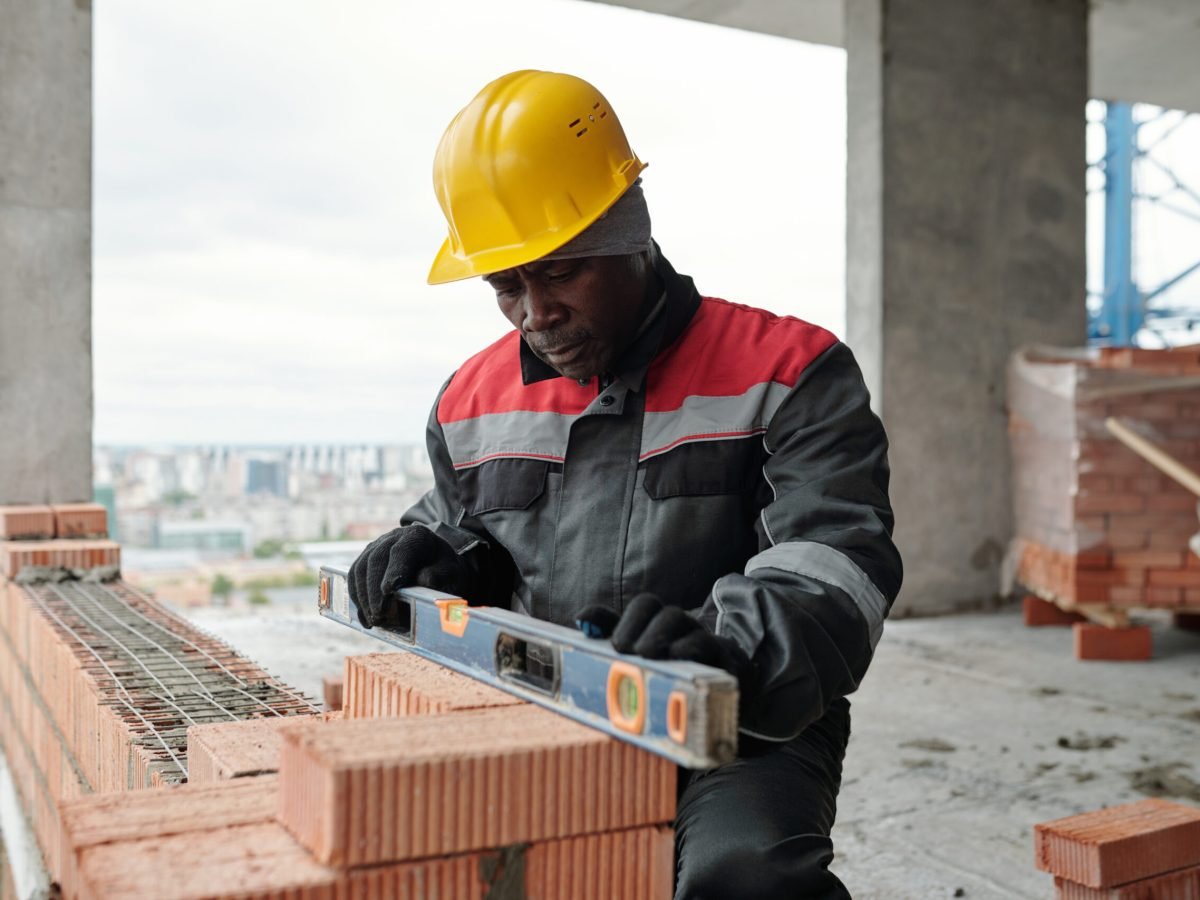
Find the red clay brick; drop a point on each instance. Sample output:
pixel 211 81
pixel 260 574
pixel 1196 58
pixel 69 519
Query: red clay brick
pixel 80 520
pixel 1182 884
pixel 1173 502
pixel 1150 559
pixel 362 792
pixel 16 555
pixel 1090 504
pixel 218 751
pixel 1182 578
pixel 1127 597
pixel 404 684
pixel 637 864
pixel 1163 596
pixel 1039 612
pixel 176 809
pixel 331 690
pixel 1094 559
pixel 1124 577
pixel 1127 538
pixel 1119 844
pixel 26 522
pixel 1101 643
pixel 261 861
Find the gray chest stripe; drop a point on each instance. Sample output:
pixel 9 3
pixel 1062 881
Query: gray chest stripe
pixel 832 567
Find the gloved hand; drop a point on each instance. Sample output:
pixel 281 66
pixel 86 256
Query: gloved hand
pixel 410 556
pixel 650 629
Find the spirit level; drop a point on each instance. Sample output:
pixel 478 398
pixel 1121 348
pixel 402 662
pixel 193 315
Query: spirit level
pixel 684 711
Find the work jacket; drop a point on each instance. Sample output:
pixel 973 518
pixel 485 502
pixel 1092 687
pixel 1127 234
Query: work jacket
pixel 729 463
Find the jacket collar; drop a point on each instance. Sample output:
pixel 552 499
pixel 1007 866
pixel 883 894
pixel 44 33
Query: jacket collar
pixel 668 320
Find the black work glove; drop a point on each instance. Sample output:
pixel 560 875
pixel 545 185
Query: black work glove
pixel 410 556
pixel 650 629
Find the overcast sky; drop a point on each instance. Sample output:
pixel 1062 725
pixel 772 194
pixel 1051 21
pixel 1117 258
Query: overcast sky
pixel 264 215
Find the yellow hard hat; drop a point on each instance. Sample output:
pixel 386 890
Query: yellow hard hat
pixel 527 165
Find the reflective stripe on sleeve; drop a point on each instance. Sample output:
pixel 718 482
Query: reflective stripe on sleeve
pixel 832 567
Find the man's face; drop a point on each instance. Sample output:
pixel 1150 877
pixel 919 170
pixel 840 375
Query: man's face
pixel 576 315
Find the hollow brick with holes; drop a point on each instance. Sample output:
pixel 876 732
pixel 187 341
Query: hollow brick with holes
pixel 219 751
pixel 1120 844
pixel 404 684
pixel 1182 884
pixel 500 775
pixel 263 862
pixel 80 520
pixel 26 523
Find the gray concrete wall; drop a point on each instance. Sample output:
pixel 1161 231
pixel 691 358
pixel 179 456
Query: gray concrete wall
pixel 965 233
pixel 45 250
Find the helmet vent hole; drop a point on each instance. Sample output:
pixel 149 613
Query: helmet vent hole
pixel 603 114
pixel 596 105
pixel 581 132
pixel 576 122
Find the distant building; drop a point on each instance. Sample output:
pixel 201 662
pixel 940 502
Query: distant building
pixel 208 537
pixel 267 476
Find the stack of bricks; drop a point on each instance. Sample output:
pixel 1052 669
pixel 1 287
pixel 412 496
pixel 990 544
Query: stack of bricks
pixel 432 785
pixel 1149 850
pixel 1097 527
pixel 77 717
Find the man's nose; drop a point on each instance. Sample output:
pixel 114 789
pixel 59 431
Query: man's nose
pixel 541 312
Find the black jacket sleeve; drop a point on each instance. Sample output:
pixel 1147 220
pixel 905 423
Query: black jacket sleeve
pixel 443 512
pixel 810 606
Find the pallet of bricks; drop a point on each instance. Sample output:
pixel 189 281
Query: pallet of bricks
pixel 432 785
pixel 1099 530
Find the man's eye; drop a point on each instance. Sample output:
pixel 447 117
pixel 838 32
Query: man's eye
pixel 562 274
pixel 503 289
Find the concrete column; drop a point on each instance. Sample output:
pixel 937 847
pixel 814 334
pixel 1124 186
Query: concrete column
pixel 45 251
pixel 965 236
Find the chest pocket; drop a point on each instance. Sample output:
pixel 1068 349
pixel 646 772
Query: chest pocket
pixel 502 484
pixel 705 468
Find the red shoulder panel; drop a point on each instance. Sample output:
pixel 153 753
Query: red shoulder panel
pixel 490 382
pixel 728 348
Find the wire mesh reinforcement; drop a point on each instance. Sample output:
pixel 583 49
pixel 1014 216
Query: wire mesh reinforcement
pixel 156 671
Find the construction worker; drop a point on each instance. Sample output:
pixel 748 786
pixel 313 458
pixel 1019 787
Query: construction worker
pixel 701 479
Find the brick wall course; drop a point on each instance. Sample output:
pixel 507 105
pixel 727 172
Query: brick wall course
pixel 364 792
pixel 378 685
pixel 59 554
pixel 261 861
pixel 60 722
pixel 1120 844
pixel 26 522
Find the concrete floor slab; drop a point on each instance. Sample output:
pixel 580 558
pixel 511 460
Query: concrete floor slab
pixel 967 731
